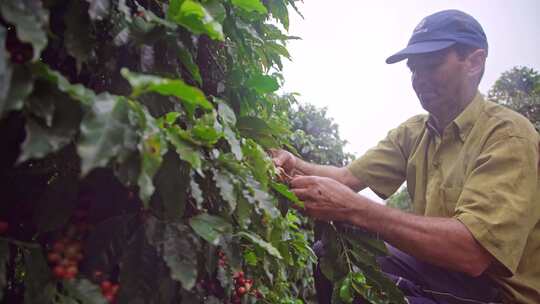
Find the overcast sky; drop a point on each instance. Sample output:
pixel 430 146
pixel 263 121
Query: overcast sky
pixel 339 63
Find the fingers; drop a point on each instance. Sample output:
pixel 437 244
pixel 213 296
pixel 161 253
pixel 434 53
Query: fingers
pixel 302 193
pixel 303 181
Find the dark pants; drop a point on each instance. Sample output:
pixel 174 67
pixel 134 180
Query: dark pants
pixel 422 283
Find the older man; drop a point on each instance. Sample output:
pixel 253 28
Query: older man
pixel 471 168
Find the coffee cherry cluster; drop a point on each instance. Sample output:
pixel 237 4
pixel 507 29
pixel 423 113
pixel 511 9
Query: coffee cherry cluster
pixel 64 258
pixel 66 252
pixel 242 287
pixel 222 262
pixel 109 290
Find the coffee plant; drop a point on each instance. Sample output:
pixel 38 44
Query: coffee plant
pixel 133 161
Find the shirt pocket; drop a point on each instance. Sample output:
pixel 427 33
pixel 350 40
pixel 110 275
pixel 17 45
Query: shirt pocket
pixel 449 198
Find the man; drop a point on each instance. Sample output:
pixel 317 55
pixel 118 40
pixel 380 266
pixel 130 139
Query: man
pixel 471 168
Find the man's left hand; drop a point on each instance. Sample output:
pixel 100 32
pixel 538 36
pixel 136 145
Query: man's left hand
pixel 324 198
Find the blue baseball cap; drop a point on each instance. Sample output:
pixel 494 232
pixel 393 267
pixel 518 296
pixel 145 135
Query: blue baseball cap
pixel 442 30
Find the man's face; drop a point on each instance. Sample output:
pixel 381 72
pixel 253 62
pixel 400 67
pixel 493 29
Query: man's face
pixel 438 79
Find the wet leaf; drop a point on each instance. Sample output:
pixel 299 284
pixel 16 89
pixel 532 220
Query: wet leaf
pixel 262 84
pixel 257 129
pixel 284 190
pixel 62 118
pixel 250 6
pixel 195 17
pixel 189 64
pixel 21 86
pixel 39 289
pixel 192 97
pixel 257 240
pixel 178 249
pixel 106 133
pixel 210 227
pixel 31 21
pixel 85 291
pixel 98 9
pixel 78 37
pixel 185 149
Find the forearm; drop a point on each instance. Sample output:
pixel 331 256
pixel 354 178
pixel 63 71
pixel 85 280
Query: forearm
pixel 445 242
pixel 342 175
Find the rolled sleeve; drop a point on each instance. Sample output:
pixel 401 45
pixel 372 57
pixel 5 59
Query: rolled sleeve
pixel 383 168
pixel 498 204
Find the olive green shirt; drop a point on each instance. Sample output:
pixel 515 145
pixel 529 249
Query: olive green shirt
pixel 483 171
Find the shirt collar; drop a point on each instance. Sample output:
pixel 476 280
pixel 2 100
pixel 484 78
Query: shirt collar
pixel 464 121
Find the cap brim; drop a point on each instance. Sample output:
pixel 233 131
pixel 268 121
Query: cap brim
pixel 419 48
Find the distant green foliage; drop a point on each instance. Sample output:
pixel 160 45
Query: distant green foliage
pixel 401 200
pixel 519 89
pixel 316 136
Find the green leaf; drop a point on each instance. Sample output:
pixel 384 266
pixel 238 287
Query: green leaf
pixel 365 240
pixel 345 292
pixel 257 129
pixel 258 162
pixel 98 9
pixel 18 90
pixel 172 182
pixel 4 259
pixel 5 74
pixel 250 257
pixel 255 195
pixel 185 150
pixel 225 112
pixel 31 21
pixel 250 6
pixel 207 130
pixel 75 91
pixel 178 248
pixel 257 240
pixel 152 147
pixel 188 63
pixel 243 212
pixel 192 97
pixel 63 118
pixel 84 291
pixel 216 9
pixel 195 17
pixel 106 133
pixel 279 11
pixel 284 190
pixel 144 275
pixel 78 37
pixel 39 289
pixel 229 120
pixel 225 183
pixel 210 227
pixel 262 84
pixel 196 191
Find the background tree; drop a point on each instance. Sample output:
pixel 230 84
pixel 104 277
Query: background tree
pixel 519 89
pixel 316 136
pixel 401 200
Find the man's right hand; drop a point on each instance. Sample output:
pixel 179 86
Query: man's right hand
pixel 285 160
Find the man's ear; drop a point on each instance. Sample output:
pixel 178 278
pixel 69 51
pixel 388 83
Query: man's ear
pixel 477 60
